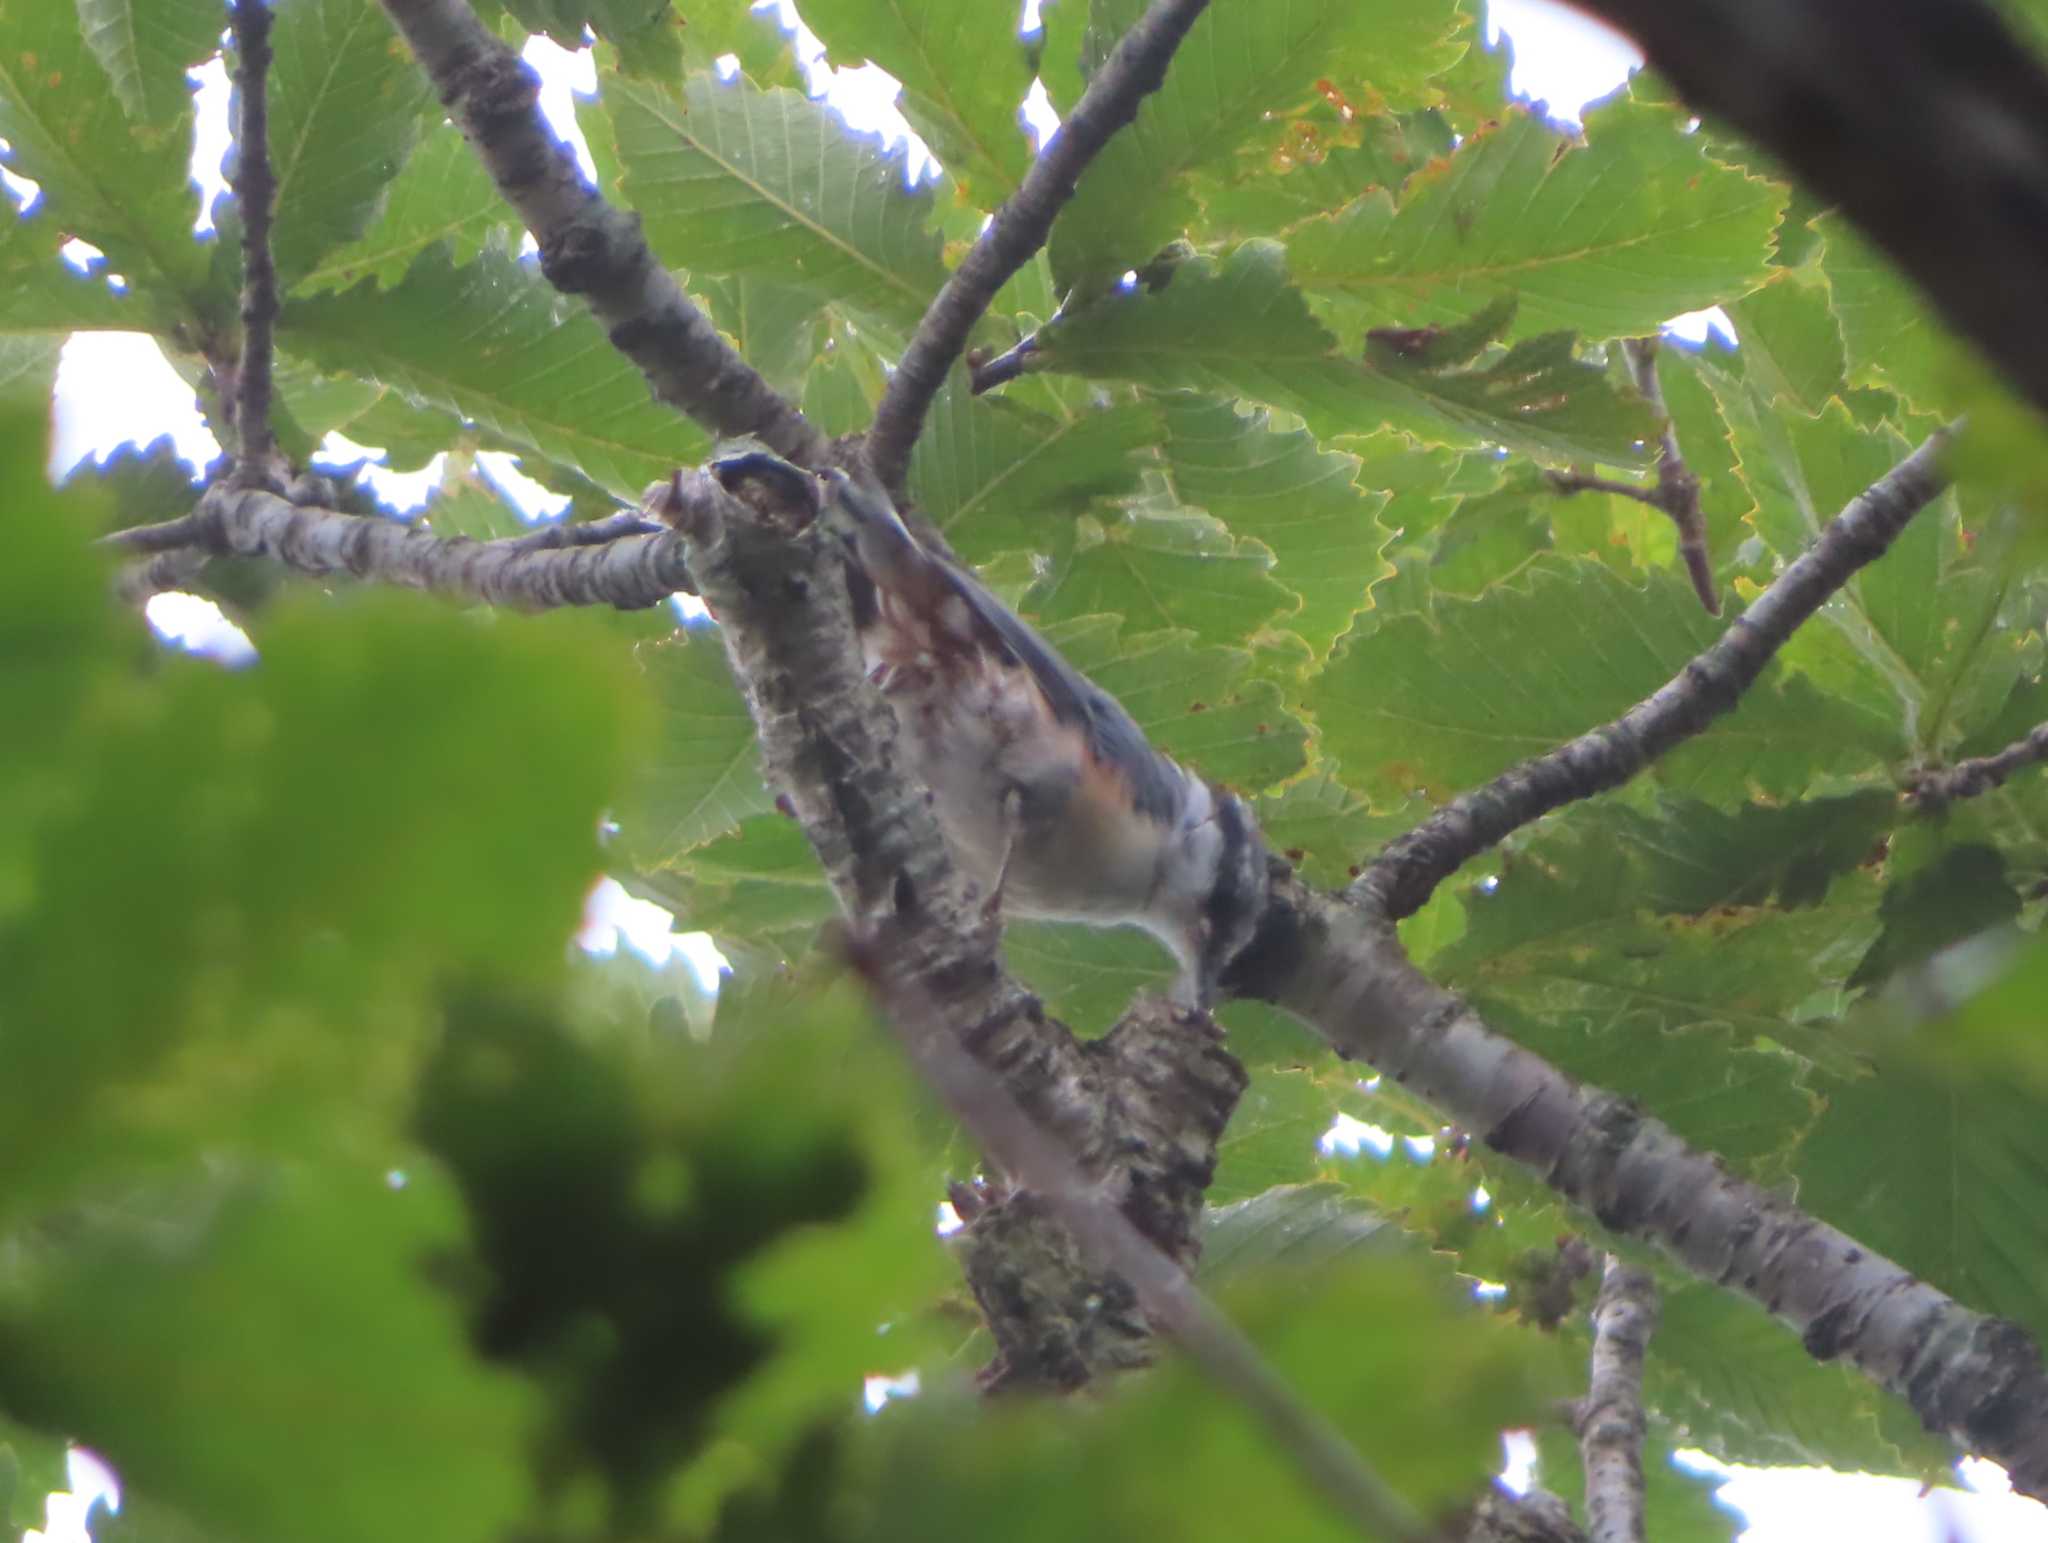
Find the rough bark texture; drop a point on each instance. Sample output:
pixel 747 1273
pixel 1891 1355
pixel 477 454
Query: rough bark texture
pixel 1140 1112
pixel 1610 1421
pixel 551 567
pixel 1928 124
pixel 587 247
pixel 1341 969
pixel 256 193
pixel 1537 1517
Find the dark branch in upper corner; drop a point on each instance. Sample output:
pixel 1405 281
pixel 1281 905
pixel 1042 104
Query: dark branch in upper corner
pixel 1677 493
pixel 554 566
pixel 1610 1418
pixel 1134 69
pixel 587 247
pixel 1402 878
pixel 256 193
pixel 1926 124
pixel 1936 787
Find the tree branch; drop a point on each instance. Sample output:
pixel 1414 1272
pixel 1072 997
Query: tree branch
pixel 256 193
pixel 1134 69
pixel 1928 124
pixel 1169 1298
pixel 1339 966
pixel 587 247
pixel 1610 1420
pixel 1403 877
pixel 1140 1111
pixel 534 572
pixel 1935 787
pixel 1678 490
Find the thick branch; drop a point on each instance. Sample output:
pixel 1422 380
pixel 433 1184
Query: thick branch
pixel 1611 1422
pixel 1134 69
pixel 587 247
pixel 1933 788
pixel 630 573
pixel 1341 968
pixel 1404 875
pixel 256 193
pixel 1928 124
pixel 1140 1111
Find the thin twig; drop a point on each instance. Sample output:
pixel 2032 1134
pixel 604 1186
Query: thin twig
pixel 1610 1420
pixel 1134 69
pixel 256 193
pixel 587 247
pixel 1404 875
pixel 1004 367
pixel 630 573
pixel 1678 490
pixel 1169 1297
pixel 1936 787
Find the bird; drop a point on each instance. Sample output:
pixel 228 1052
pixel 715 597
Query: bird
pixel 1051 800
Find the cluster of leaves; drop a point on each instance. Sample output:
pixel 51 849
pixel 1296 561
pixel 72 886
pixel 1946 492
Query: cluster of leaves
pixel 270 936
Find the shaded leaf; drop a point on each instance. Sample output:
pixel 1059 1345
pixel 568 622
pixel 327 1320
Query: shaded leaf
pixel 1234 68
pixel 346 108
pixel 734 179
pixel 493 342
pixel 440 194
pixel 1609 236
pixel 1238 328
pixel 145 46
pixel 964 72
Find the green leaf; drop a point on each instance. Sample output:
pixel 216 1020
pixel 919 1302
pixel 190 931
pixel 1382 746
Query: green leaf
pixel 145 46
pixel 441 194
pixel 1326 162
pixel 1302 502
pixel 1791 342
pixel 31 1468
pixel 704 775
pixel 1199 704
pixel 777 328
pixel 964 72
pixel 1889 338
pixel 733 179
pixel 493 342
pixel 28 369
pixel 41 295
pixel 1169 568
pixel 1238 328
pixel 645 32
pixel 341 1370
pixel 346 106
pixel 1609 237
pixel 1292 1226
pixel 1963 892
pixel 1959 1203
pixel 242 1007
pixel 1740 1386
pixel 1236 67
pixel 1444 704
pixel 120 184
pixel 1685 1016
pixel 997 476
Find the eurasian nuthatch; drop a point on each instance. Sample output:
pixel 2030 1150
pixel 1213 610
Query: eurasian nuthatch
pixel 1049 796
